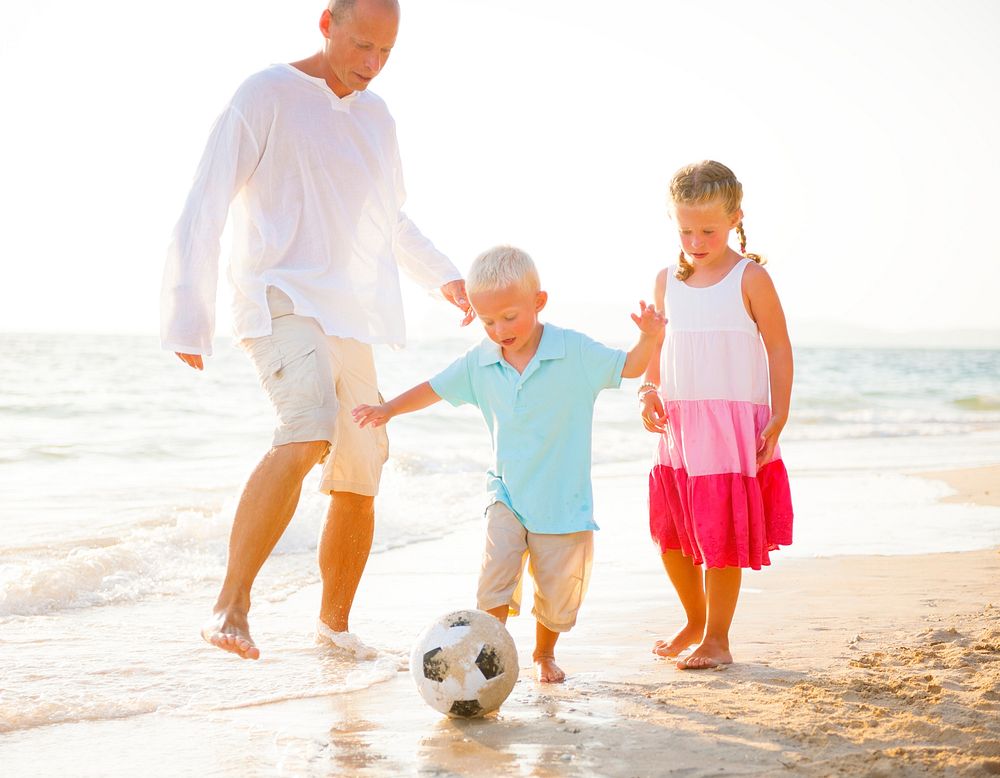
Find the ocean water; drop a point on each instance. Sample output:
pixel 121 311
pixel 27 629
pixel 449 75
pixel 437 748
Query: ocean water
pixel 121 468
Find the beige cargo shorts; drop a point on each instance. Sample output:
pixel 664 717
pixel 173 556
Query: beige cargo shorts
pixel 559 564
pixel 314 380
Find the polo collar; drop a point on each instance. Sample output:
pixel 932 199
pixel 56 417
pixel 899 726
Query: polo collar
pixel 551 346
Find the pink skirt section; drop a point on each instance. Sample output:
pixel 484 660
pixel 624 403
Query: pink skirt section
pixel 721 520
pixel 713 436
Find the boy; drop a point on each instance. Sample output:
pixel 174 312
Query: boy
pixel 536 385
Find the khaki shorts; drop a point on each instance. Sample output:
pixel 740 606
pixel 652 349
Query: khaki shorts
pixel 314 380
pixel 559 564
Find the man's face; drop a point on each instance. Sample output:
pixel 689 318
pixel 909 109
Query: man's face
pixel 356 49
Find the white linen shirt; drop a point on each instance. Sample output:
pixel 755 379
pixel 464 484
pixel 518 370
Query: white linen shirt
pixel 318 193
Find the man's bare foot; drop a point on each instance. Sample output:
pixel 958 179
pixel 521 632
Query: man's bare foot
pixel 683 640
pixel 230 631
pixel 343 641
pixel 711 653
pixel 547 671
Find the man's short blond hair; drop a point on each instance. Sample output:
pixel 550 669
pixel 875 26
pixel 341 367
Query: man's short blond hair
pixel 501 267
pixel 341 9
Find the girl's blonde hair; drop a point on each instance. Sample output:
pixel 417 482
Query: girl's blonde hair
pixel 707 182
pixel 501 267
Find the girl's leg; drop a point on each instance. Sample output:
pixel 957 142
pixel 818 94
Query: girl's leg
pixel 722 586
pixel 687 580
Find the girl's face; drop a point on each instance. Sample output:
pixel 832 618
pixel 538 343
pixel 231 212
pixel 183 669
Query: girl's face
pixel 704 231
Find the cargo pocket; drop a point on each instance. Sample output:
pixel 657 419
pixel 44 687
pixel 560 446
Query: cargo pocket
pixel 292 385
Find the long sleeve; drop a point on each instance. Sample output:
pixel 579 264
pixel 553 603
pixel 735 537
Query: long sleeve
pixel 191 273
pixel 414 253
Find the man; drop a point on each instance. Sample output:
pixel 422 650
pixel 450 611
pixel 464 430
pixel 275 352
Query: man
pixel 310 163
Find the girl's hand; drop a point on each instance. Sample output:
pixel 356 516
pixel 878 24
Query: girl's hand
pixel 376 415
pixel 650 321
pixel 768 440
pixel 654 418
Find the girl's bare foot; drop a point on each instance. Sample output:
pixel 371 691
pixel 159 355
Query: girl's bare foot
pixel 683 640
pixel 230 631
pixel 547 671
pixel 711 653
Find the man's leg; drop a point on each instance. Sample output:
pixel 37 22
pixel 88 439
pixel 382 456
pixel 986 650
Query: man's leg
pixel 343 553
pixel 265 508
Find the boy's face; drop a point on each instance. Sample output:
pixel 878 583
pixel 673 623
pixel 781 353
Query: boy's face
pixel 510 316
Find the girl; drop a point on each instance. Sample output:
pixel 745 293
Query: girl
pixel 718 491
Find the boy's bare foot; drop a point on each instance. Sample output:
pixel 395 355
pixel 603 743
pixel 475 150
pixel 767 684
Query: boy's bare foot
pixel 711 653
pixel 547 671
pixel 683 640
pixel 230 631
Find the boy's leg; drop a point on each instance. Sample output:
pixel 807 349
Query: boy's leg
pixel 560 566
pixel 264 510
pixel 544 657
pixel 722 587
pixel 501 612
pixel 689 584
pixel 499 590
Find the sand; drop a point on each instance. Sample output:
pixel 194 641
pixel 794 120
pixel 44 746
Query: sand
pixel 980 485
pixel 845 666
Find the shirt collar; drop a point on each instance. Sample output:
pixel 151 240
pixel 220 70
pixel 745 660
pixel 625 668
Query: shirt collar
pixel 551 346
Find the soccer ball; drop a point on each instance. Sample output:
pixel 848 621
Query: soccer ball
pixel 465 664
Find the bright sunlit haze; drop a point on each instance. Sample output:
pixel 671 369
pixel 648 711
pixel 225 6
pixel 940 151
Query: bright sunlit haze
pixel 864 136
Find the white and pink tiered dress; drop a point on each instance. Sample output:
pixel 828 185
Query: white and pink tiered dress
pixel 706 496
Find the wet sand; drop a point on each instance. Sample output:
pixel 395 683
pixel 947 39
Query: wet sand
pixel 980 485
pixel 860 665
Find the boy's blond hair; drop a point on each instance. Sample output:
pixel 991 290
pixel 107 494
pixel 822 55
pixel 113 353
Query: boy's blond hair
pixel 501 267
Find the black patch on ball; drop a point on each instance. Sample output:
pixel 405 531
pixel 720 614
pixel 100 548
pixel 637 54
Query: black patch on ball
pixel 489 663
pixel 459 621
pixel 466 708
pixel 435 668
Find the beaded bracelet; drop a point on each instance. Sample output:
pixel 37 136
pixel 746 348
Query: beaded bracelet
pixel 648 386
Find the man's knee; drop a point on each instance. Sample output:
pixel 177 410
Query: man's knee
pixel 352 502
pixel 352 499
pixel 302 455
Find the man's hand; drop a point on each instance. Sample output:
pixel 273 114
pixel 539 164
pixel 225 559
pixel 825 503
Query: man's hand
pixel 454 292
pixel 650 321
pixel 192 360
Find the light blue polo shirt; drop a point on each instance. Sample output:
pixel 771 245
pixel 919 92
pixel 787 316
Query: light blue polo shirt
pixel 541 423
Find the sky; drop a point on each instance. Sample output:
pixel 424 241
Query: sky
pixel 864 134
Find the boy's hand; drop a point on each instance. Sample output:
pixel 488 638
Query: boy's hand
pixel 376 415
pixel 650 321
